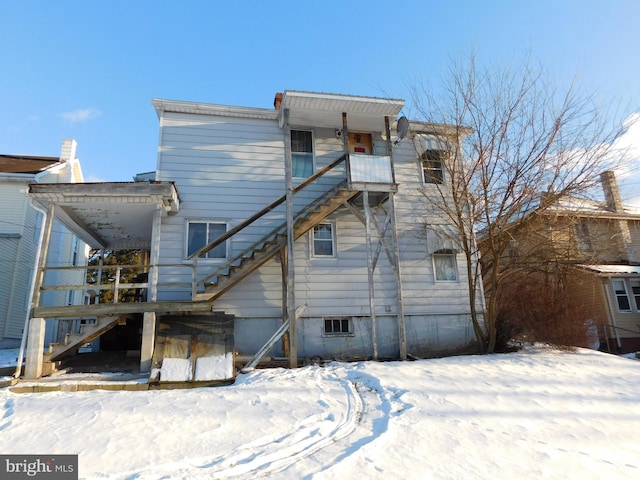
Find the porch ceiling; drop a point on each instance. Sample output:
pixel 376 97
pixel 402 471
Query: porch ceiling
pixel 108 215
pixel 325 110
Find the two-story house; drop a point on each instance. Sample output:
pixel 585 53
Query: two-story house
pixel 298 232
pixel 20 230
pixel 595 248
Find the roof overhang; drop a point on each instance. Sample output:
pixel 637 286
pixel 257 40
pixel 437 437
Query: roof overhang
pixel 112 216
pixel 325 110
pixel 27 164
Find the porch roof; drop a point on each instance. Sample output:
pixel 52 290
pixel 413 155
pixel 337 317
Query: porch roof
pixel 325 110
pixel 108 215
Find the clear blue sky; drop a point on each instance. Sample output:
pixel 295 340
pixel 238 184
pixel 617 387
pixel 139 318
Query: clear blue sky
pixel 88 70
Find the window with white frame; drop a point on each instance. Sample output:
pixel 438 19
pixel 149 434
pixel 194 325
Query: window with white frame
pixel 323 240
pixel 432 168
pixel 338 326
pixel 201 233
pixel 622 297
pixel 302 153
pixel 445 265
pixel 635 291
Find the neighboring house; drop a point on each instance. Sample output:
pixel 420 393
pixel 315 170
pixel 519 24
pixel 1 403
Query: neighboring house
pixel 20 228
pixel 597 245
pixel 353 263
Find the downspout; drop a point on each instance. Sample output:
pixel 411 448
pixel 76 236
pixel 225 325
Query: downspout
pixel 32 286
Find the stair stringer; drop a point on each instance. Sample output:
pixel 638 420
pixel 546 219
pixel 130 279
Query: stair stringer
pixel 89 332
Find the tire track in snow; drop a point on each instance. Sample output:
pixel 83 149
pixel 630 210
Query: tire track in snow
pixel 270 455
pixel 342 432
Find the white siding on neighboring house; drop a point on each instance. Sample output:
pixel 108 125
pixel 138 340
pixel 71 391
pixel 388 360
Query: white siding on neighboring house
pixel 20 226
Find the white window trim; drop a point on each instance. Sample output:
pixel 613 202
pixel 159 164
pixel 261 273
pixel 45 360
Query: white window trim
pixel 313 151
pixel 442 154
pixel 334 241
pixel 227 242
pixel 455 266
pixel 627 289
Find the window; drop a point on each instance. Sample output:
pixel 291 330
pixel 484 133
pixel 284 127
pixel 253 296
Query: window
pixel 635 290
pixel 323 240
pixel 337 326
pixel 432 170
pixel 200 234
pixel 74 254
pixel 583 236
pixel 444 264
pixel 620 290
pixel 301 153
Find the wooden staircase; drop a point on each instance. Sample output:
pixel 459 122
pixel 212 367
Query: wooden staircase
pixel 242 265
pixel 88 332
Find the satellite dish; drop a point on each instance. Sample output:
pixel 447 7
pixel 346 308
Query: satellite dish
pixel 402 128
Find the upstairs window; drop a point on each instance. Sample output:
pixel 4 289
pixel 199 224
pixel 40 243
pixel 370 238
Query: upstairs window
pixel 583 236
pixel 200 234
pixel 324 240
pixel 301 153
pixel 432 169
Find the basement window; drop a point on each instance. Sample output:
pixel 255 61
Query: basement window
pixel 335 326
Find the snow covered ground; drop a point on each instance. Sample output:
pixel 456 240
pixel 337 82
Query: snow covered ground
pixel 539 413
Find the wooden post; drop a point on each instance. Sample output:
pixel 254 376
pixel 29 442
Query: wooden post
pixel 291 295
pixel 402 333
pixel 149 318
pixel 284 271
pixel 36 327
pixel 345 146
pixel 372 302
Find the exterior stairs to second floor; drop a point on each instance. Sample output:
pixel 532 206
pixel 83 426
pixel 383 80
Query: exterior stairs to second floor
pixel 242 265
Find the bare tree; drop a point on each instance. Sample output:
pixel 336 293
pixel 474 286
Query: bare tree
pixel 514 137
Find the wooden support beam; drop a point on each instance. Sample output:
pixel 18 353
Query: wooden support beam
pixel 370 269
pixel 103 309
pixel 291 290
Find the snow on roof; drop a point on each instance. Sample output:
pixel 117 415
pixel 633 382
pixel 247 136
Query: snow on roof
pixel 613 269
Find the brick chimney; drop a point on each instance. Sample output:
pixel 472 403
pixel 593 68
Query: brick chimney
pixel 277 101
pixel 622 231
pixel 68 150
pixel 611 192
